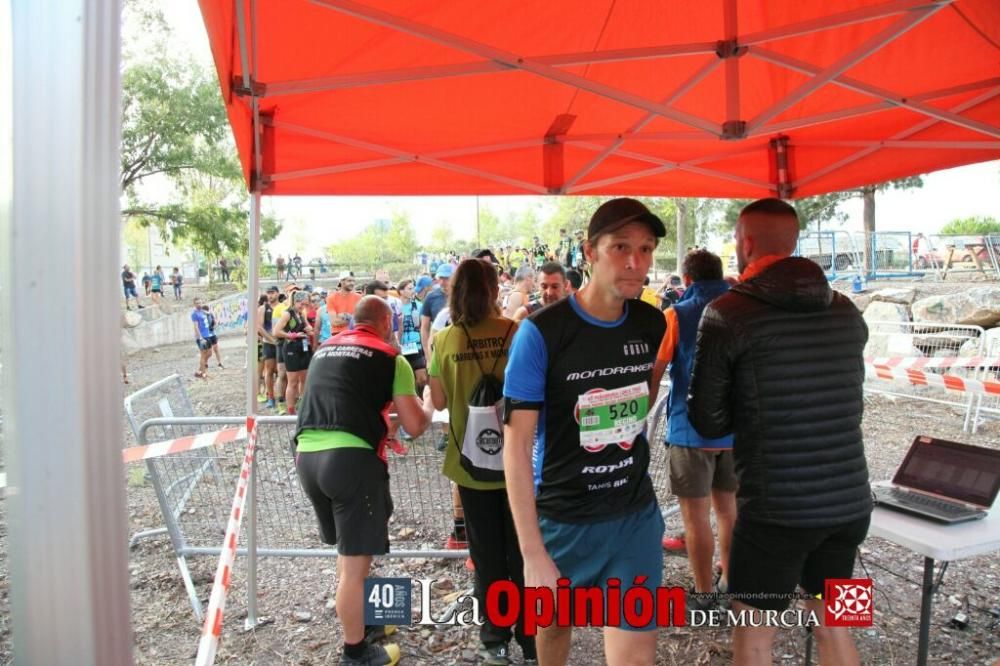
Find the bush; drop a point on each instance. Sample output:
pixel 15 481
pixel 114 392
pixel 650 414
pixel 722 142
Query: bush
pixel 977 225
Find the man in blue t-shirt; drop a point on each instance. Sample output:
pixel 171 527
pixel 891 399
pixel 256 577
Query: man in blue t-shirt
pixel 578 373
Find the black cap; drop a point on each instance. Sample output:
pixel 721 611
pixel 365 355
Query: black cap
pixel 273 289
pixel 614 214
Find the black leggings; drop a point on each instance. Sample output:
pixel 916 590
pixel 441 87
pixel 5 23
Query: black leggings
pixel 495 552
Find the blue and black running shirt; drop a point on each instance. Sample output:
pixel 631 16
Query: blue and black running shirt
pixel 590 379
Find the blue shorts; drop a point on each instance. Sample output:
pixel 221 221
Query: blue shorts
pixel 130 292
pixel 624 548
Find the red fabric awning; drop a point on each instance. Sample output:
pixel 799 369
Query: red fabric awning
pixel 726 98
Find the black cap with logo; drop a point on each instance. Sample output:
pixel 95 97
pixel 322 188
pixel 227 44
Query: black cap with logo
pixel 616 213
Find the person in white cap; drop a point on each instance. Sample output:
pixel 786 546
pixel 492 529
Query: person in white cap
pixel 340 304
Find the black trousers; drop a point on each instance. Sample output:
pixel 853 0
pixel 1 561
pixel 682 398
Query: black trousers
pixel 495 552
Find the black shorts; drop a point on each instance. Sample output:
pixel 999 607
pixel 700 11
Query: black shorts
pixel 296 358
pixel 349 490
pixel 203 344
pixel 213 340
pixel 416 361
pixel 281 352
pixel 769 559
pixel 270 351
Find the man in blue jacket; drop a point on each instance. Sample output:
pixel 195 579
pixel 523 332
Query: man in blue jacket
pixel 701 469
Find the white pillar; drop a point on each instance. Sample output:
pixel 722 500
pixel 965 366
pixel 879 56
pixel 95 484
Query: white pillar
pixel 60 233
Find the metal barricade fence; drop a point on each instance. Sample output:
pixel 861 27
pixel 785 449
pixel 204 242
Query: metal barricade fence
pixel 910 340
pixel 891 253
pixel 987 408
pixel 166 398
pixel 836 252
pixel 194 505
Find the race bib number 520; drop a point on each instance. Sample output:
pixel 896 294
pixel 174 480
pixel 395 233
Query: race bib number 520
pixel 617 416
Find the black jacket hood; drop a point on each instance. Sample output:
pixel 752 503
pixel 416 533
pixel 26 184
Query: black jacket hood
pixel 794 284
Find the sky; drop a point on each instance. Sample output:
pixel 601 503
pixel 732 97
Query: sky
pixel 946 195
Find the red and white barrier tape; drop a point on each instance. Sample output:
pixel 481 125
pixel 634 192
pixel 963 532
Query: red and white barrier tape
pixel 920 362
pixel 946 382
pixel 205 439
pixel 212 630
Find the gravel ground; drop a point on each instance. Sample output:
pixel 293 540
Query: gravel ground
pixel 295 595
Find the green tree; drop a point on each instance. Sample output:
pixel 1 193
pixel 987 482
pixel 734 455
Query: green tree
pixel 400 241
pixel 978 225
pixel 179 170
pixel 491 231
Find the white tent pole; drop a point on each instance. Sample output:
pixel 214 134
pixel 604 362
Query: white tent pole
pixel 864 50
pixel 838 20
pixel 383 77
pixel 404 157
pixel 919 127
pixel 253 277
pixel 62 394
pixel 617 142
pixel 515 61
pixel 866 109
pixel 902 101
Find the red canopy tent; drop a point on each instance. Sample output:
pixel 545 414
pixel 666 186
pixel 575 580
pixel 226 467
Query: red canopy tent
pixel 723 98
pixel 728 98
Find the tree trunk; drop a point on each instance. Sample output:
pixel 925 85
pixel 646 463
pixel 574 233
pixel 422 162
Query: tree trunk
pixel 682 219
pixel 868 196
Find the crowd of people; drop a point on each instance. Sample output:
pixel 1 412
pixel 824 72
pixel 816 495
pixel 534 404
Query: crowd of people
pixel 152 284
pixel 548 378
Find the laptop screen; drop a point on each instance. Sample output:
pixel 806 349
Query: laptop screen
pixel 963 472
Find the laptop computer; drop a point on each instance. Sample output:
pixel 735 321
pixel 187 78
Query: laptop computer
pixel 947 482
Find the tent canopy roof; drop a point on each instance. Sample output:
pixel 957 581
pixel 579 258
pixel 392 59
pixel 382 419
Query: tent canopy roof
pixel 727 98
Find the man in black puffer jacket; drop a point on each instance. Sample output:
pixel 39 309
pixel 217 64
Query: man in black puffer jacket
pixel 779 363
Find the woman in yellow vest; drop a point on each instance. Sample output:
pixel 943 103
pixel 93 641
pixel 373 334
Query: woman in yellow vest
pixel 469 354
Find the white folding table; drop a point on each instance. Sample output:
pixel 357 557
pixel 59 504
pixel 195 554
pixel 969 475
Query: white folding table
pixel 937 543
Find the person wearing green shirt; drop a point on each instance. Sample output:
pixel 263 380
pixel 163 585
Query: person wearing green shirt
pixel 355 378
pixel 474 344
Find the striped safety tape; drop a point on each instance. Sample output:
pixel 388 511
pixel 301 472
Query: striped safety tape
pixel 920 362
pixel 946 382
pixel 212 630
pixel 205 439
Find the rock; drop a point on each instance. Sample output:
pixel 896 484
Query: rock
pixel 469 656
pixel 131 319
pixel 406 533
pixel 444 584
pixel 889 312
pixel 861 301
pixel 331 603
pixel 901 296
pixel 884 338
pixel 979 306
pixel 303 616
